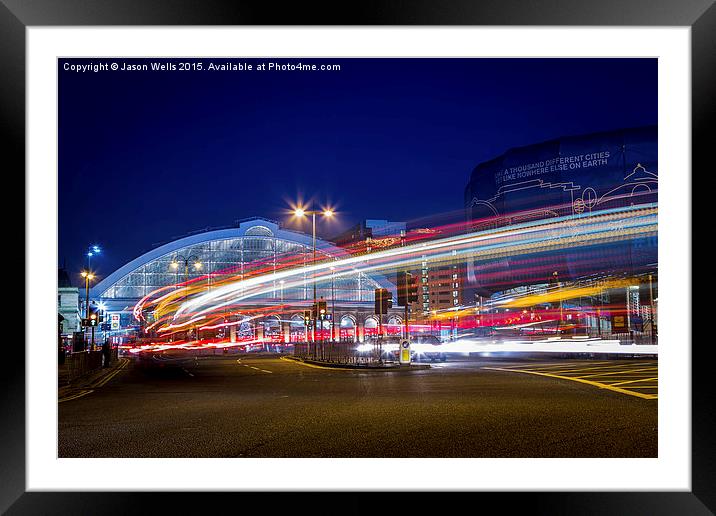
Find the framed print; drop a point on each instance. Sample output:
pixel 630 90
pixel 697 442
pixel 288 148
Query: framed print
pixel 422 248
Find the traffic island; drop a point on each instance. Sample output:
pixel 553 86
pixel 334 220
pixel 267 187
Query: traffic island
pixel 385 366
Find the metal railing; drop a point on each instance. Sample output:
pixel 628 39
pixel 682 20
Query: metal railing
pixel 336 352
pixel 81 363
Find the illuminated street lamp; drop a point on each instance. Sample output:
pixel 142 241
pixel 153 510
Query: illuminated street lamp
pixel 559 286
pixel 87 276
pixel 333 303
pixel 175 265
pixel 300 213
pixel 92 251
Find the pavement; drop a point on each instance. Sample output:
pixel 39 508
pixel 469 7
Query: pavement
pixel 88 383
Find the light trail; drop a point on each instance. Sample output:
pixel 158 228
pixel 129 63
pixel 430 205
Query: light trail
pixel 531 237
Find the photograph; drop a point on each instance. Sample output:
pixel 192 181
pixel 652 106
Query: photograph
pixel 357 257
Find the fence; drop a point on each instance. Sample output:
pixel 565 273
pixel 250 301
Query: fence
pixel 81 363
pixel 334 352
pixel 635 337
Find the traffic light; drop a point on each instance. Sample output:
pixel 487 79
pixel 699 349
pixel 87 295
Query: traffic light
pixel 306 317
pixel 407 289
pixel 322 309
pixel 413 291
pixel 383 300
pixel 94 316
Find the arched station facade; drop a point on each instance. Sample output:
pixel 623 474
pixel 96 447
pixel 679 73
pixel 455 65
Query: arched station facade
pixel 254 245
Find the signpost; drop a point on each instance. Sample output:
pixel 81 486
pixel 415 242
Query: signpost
pixel 404 352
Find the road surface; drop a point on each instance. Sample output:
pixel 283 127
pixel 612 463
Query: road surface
pixel 263 406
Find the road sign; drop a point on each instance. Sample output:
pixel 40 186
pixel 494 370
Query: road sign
pixel 404 357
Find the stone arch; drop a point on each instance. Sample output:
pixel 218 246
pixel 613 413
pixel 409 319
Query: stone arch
pixel 347 328
pixel 297 328
pixel 394 326
pixel 272 328
pixel 370 327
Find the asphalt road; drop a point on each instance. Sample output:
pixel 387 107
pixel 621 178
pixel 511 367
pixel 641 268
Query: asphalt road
pixel 263 406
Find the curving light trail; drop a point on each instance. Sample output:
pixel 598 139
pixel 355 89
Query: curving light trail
pixel 605 226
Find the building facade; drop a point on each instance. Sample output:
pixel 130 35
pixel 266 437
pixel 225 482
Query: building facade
pixel 254 247
pixel 68 305
pixel 570 176
pixel 563 177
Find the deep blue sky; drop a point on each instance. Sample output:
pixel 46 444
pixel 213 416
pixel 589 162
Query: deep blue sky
pixel 171 152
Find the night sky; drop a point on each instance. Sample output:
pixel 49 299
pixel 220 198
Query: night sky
pixel 171 152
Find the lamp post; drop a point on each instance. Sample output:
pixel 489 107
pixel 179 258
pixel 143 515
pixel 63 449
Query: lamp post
pixel 186 259
pixel 87 275
pixel 91 251
pixel 333 303
pixel 300 213
pixel 561 316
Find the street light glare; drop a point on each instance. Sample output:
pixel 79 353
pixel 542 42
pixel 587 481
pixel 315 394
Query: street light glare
pixel 197 265
pixel 174 265
pixel 328 213
pixel 299 212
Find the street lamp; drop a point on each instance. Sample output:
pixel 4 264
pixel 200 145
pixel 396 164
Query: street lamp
pixel 333 303
pixel 186 259
pixel 300 213
pixel 87 275
pixel 559 286
pixel 91 251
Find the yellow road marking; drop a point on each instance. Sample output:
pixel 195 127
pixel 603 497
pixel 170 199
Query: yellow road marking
pixel 75 396
pixel 570 370
pixel 560 366
pixel 265 371
pixel 630 371
pixel 112 375
pixel 577 379
pixel 643 387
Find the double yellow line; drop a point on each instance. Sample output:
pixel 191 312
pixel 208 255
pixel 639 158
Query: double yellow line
pixel 75 396
pixel 101 383
pixel 112 374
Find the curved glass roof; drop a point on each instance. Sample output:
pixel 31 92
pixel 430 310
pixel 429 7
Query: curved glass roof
pixel 255 245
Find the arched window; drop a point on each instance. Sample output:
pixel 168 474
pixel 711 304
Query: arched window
pixel 259 231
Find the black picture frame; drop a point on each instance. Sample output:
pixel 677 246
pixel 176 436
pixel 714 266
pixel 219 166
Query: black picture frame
pixel 17 15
